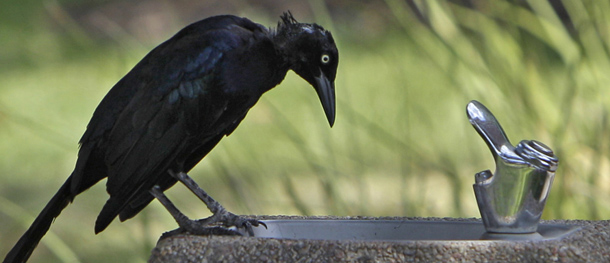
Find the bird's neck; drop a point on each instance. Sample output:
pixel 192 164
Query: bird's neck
pixel 284 40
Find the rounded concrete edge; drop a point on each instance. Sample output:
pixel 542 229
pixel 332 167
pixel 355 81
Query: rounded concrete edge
pixel 589 244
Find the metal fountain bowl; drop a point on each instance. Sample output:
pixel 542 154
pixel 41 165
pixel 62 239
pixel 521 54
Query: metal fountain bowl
pixel 397 230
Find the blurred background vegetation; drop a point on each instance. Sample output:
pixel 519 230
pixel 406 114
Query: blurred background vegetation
pixel 401 146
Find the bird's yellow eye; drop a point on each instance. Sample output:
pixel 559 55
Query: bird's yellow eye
pixel 325 59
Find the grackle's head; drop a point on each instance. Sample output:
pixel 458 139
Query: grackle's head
pixel 311 53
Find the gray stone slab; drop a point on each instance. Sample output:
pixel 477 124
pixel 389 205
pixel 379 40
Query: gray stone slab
pixel 590 243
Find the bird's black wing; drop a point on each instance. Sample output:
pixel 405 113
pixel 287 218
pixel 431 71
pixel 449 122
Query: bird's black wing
pixel 179 106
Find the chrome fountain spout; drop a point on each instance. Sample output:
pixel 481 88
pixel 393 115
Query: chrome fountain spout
pixel 512 199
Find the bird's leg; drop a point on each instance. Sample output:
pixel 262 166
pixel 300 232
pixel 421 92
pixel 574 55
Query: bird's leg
pixel 220 214
pixel 186 224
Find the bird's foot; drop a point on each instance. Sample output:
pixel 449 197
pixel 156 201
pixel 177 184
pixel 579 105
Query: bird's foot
pixel 220 224
pixel 220 214
pixel 228 219
pixel 206 226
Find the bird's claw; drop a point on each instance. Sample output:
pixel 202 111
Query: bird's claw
pixel 248 223
pixel 224 220
pixel 244 223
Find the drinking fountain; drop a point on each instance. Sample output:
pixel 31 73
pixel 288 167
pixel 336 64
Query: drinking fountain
pixel 511 201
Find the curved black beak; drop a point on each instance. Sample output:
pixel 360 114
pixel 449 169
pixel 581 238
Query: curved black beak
pixel 326 92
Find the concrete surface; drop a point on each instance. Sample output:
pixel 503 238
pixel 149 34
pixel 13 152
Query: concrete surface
pixel 591 243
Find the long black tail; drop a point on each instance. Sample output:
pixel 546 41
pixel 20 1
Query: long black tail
pixel 26 244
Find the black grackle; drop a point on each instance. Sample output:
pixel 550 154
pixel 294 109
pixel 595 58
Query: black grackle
pixel 175 105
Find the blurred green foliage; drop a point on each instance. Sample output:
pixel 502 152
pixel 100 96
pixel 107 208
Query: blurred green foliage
pixel 401 146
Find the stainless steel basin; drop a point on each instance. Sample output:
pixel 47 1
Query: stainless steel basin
pixel 397 230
